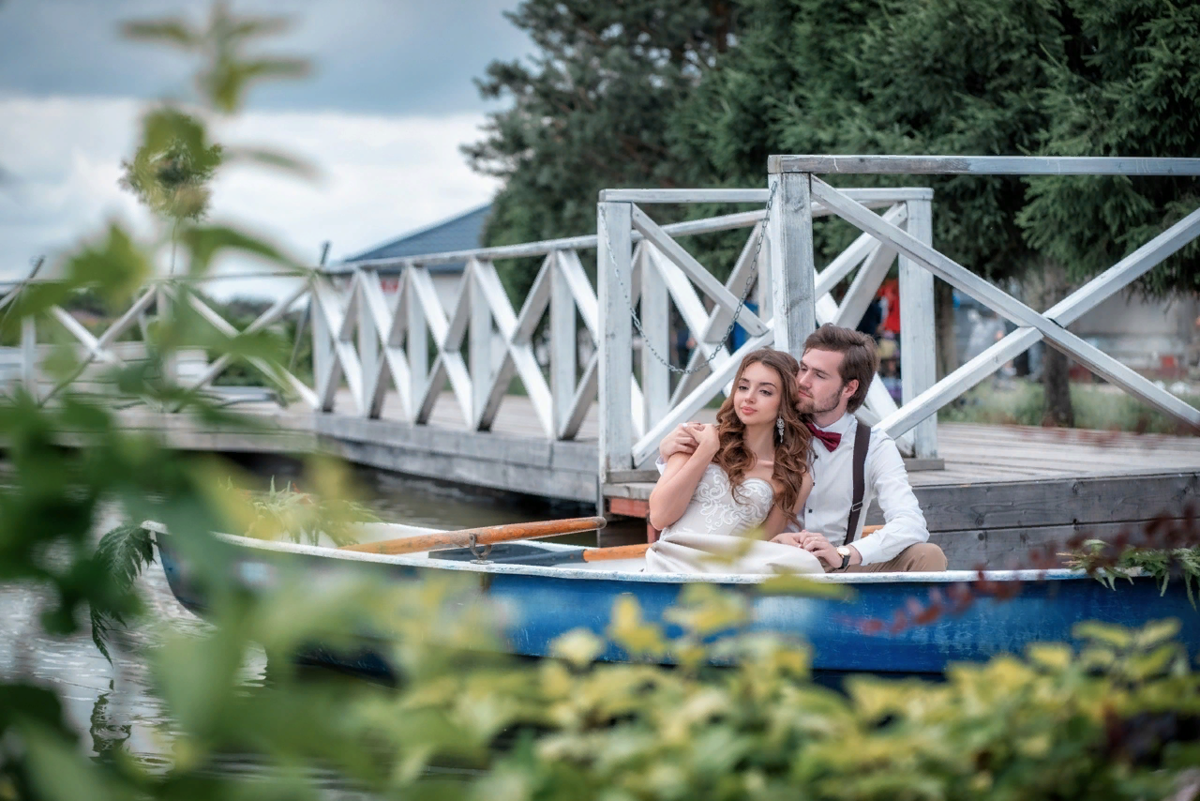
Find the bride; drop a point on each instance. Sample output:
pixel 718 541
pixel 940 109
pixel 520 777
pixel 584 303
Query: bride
pixel 748 477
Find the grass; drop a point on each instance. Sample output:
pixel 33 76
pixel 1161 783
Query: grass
pixel 1099 407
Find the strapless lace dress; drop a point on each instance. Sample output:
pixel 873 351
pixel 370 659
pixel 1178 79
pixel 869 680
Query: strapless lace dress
pixel 717 533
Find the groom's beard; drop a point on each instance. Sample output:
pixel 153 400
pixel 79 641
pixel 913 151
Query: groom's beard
pixel 813 405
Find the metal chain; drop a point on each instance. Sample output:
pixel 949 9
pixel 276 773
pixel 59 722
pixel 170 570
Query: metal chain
pixel 736 312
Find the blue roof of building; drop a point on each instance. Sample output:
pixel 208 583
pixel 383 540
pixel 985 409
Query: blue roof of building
pixel 464 232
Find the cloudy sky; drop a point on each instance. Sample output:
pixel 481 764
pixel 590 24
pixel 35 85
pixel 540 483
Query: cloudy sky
pixel 382 117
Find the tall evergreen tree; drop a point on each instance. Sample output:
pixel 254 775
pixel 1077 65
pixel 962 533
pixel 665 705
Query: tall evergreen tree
pixel 1128 85
pixel 1125 84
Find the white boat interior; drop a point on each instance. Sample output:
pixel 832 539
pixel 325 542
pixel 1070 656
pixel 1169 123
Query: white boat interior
pixel 629 570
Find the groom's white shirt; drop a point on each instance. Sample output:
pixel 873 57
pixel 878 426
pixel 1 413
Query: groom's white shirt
pixel 827 510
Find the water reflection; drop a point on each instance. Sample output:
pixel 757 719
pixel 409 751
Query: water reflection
pixel 438 504
pixel 109 734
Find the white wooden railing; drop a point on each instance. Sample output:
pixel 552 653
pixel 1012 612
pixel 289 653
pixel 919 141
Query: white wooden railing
pixel 800 299
pixel 189 367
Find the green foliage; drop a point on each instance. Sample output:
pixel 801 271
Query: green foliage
pixel 301 517
pixel 1108 562
pixel 124 551
pixel 871 77
pixel 206 243
pixel 116 266
pixel 279 337
pixel 171 171
pixel 1050 724
pixel 51 500
pixel 120 555
pixel 1123 86
pixel 175 162
pixel 53 497
pixel 1061 722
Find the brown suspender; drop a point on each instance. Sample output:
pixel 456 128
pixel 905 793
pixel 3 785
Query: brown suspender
pixel 862 440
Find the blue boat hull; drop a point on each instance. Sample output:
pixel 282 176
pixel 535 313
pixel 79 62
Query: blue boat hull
pixel 859 634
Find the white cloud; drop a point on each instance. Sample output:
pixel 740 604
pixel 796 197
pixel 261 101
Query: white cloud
pixel 379 176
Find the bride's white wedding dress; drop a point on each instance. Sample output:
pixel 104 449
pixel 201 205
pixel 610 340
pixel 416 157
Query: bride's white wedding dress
pixel 717 534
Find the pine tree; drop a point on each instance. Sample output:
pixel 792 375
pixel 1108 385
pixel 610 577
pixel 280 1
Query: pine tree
pixel 1128 85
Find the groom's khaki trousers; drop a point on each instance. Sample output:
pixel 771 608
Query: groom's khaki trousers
pixel 923 556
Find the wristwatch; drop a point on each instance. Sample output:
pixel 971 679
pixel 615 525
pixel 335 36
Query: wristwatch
pixel 844 552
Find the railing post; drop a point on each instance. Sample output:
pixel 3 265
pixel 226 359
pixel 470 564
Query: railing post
pixel 563 356
pixel 322 350
pixel 162 301
pixel 29 365
pixel 614 271
pixel 368 344
pixel 793 268
pixel 918 346
pixel 480 357
pixel 418 341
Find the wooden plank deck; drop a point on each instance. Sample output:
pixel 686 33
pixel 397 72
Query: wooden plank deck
pixel 989 453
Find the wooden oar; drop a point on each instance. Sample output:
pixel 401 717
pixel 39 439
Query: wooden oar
pixel 487 535
pixel 637 551
pixel 616 552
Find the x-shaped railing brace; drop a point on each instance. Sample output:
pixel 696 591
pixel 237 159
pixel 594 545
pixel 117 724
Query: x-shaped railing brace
pixel 1051 326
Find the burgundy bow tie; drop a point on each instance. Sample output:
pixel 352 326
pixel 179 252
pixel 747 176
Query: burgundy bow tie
pixel 831 439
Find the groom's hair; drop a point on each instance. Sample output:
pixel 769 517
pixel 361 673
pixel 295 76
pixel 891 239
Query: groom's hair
pixel 860 361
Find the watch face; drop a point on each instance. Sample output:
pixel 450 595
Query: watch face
pixel 843 550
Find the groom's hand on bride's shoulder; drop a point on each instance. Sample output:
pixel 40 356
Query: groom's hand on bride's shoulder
pixel 682 439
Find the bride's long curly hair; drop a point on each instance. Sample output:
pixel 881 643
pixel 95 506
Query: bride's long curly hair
pixel 791 451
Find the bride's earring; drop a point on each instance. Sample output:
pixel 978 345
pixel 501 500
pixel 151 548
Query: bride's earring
pixel 779 427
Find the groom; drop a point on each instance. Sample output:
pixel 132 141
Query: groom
pixel 850 463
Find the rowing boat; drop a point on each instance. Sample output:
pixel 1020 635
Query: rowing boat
pixel 891 623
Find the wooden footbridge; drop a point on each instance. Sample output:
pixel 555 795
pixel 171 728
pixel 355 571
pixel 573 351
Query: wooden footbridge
pixel 405 383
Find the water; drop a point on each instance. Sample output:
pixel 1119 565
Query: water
pixel 113 706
